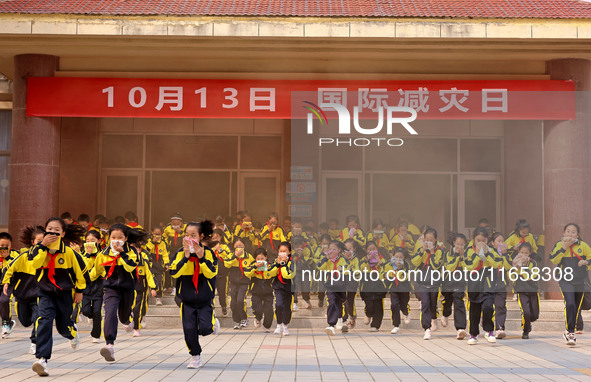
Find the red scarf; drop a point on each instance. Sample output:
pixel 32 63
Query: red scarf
pixel 271 237
pixel 195 272
pixel 280 276
pixel 51 269
pixel 261 273
pixel 479 267
pixel 241 267
pixel 157 253
pixel 176 236
pixel 112 263
pixel 572 252
pixel 218 256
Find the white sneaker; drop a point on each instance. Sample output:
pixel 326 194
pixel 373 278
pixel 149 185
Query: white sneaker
pixel 305 305
pixel 136 333
pixel 366 320
pixel 406 319
pixel 427 335
pixel 395 330
pixel 433 325
pixel 330 330
pixel 244 323
pixel 295 307
pixel 143 324
pixel 216 327
pixel 490 337
pixel 33 349
pixel 500 334
pixel 444 321
pixel 158 301
pixel 129 327
pixel 195 362
pixel 96 340
pixel 461 334
pixel 40 367
pixel 108 352
pixel 279 329
pixel 373 330
pixel 570 338
pixel 339 325
pixel 7 328
pixel 89 321
pixel 257 323
pixel 75 341
pixel 267 330
pixel 472 341
pixel 237 326
pixel 515 297
pixel 285 330
pixel 173 292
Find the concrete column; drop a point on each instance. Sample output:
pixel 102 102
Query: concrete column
pixel 34 167
pixel 567 158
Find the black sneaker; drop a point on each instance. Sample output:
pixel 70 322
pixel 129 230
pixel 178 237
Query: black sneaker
pixel 525 336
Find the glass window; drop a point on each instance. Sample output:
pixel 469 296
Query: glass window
pixel 414 155
pixel 480 155
pixel 190 151
pixel 122 151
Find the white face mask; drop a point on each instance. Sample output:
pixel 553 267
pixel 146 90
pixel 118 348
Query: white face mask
pixel 114 243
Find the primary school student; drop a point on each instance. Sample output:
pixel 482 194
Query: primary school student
pixel 195 268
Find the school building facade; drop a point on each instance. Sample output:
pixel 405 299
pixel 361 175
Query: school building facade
pixel 455 171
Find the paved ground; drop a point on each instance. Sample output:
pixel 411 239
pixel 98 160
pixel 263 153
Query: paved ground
pixel 307 354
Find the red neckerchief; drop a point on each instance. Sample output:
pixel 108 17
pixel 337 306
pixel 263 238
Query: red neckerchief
pixel 279 276
pixel 428 259
pixel 479 267
pixel 157 253
pixel 260 273
pixel 218 256
pixel 195 272
pixel 176 237
pixel 51 267
pixel 271 237
pixel 112 263
pixel 1 262
pixel 522 240
pixel 133 224
pixel 572 252
pixel 241 267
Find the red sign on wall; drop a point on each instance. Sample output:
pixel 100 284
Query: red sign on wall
pixel 273 99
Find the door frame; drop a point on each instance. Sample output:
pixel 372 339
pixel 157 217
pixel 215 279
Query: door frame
pixel 462 178
pixel 358 175
pixel 242 175
pixel 140 174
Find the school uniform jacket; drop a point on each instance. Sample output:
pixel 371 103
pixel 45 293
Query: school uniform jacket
pixel 158 256
pixel 117 270
pixel 359 236
pixel 195 277
pixel 94 288
pixel 261 281
pixel 237 266
pixel 21 276
pixel 172 238
pixel 373 290
pixel 381 241
pixel 453 262
pixel 398 279
pixel 61 271
pixel 486 282
pixel 515 239
pixel 425 263
pixel 569 258
pixel 282 275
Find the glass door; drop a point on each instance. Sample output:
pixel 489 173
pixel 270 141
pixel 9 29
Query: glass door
pixel 342 195
pixel 479 197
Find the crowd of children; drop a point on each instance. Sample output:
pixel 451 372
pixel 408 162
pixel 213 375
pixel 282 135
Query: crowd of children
pixel 113 267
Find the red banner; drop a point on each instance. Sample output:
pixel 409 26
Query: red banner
pixel 276 99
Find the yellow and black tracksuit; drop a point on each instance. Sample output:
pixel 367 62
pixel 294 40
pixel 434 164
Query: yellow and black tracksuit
pixel 381 240
pixel 318 256
pixel 501 291
pixel 334 234
pixel 351 290
pixel 399 288
pixel 57 274
pixel 20 276
pixel 336 287
pixel 527 295
pixel 482 279
pixel 196 278
pixel 358 235
pixel 92 299
pixel 453 288
pixel 515 239
pixel 261 289
pixel 247 233
pixel 174 242
pixel 144 281
pixel 282 275
pixel 397 241
pixel 270 239
pixel 373 292
pixel 239 283
pixel 5 262
pixel 118 271
pixel 427 262
pixel 222 252
pixel 302 259
pixel 572 291
pixel 159 262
